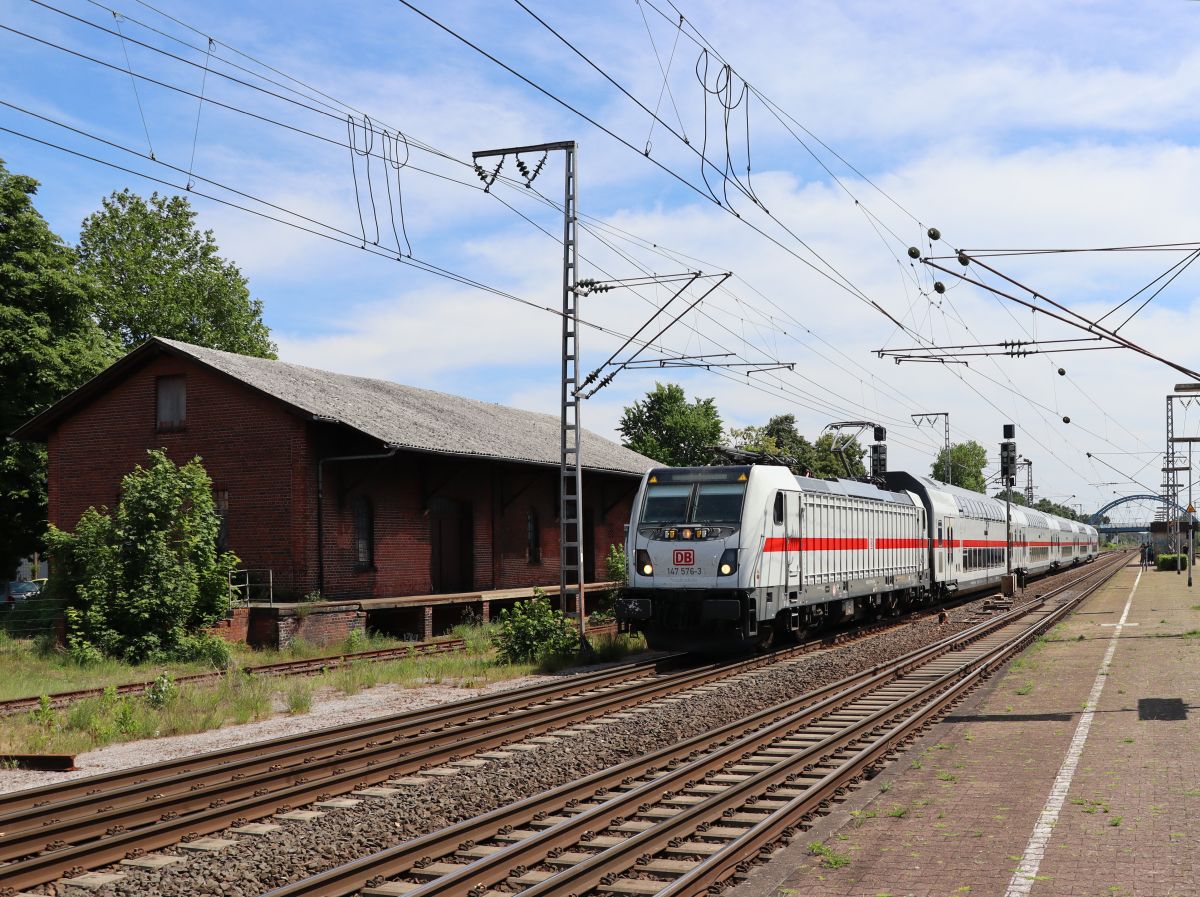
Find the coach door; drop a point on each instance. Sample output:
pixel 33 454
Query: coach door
pixel 792 516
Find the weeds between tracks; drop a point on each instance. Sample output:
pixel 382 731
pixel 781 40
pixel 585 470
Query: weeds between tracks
pixel 167 709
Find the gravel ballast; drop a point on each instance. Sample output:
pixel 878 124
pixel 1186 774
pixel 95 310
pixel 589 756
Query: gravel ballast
pixel 301 848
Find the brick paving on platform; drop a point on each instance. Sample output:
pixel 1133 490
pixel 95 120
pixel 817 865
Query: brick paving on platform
pixel 955 814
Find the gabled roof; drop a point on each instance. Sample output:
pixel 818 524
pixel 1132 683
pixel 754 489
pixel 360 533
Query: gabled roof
pixel 396 415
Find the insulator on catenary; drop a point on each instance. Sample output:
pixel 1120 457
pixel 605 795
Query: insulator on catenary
pixel 914 252
pixel 939 287
pixel 934 233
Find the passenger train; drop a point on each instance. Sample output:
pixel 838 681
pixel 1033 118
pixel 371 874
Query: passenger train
pixel 749 554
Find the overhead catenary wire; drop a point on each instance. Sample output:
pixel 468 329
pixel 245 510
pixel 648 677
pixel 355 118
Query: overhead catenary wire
pixel 437 174
pixel 707 46
pixel 872 376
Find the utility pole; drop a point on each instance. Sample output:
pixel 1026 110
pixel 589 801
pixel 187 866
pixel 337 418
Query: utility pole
pixel 1171 441
pixel 930 417
pixel 1028 465
pixel 570 469
pixel 1172 468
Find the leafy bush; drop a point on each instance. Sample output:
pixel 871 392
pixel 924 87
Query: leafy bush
pixel 140 583
pixel 356 641
pixel 162 691
pixel 616 570
pixel 534 631
pixel 205 648
pixel 1167 561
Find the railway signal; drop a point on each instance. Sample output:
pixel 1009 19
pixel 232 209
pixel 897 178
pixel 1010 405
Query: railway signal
pixel 1008 473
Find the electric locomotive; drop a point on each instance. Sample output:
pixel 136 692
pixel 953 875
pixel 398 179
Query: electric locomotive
pixel 725 556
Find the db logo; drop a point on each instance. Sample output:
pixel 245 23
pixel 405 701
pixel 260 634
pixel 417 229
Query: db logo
pixel 684 558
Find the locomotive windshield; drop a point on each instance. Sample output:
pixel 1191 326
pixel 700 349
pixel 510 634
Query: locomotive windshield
pixel 666 503
pixel 718 503
pixel 693 503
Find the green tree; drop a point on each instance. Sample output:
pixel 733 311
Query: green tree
pixel 142 583
pixel 779 437
pixel 828 463
pixel 666 427
pixel 158 275
pixel 1052 507
pixel 49 345
pixel 967 461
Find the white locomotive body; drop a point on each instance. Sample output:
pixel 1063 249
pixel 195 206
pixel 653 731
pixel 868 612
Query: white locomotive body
pixel 724 555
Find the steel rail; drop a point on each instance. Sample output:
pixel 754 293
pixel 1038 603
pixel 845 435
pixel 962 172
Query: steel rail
pixel 309 666
pixel 722 865
pixel 92 832
pixel 886 727
pixel 760 729
pixel 331 738
pixel 58 859
pixel 296 749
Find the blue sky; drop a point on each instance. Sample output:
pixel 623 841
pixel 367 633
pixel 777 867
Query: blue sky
pixel 1021 125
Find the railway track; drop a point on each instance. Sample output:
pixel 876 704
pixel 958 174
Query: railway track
pixel 304 667
pixel 91 822
pixel 687 818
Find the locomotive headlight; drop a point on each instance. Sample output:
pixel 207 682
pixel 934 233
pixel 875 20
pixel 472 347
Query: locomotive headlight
pixel 644 566
pixel 687 534
pixel 728 564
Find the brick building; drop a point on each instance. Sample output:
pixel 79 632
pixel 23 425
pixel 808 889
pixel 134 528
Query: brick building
pixel 348 486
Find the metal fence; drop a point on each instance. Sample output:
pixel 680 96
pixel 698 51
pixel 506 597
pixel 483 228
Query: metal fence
pixel 30 616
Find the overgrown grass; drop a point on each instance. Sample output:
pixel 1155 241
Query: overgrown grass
pixel 36 667
pixel 179 709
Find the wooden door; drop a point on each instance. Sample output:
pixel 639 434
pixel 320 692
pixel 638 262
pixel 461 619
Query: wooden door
pixel 452 543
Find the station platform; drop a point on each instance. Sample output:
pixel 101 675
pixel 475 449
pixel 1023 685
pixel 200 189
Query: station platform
pixel 1076 771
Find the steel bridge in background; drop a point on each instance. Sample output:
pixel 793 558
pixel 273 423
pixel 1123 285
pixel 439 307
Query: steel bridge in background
pixel 1096 518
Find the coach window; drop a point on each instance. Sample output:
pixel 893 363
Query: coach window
pixel 364 534
pixel 172 402
pixel 779 507
pixel 533 537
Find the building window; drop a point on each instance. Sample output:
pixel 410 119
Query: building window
pixel 221 506
pixel 172 402
pixel 533 538
pixel 364 534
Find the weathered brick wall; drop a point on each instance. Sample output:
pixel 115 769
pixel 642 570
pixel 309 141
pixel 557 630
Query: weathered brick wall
pixel 265 458
pixel 324 626
pixel 236 629
pixel 251 446
pixel 500 498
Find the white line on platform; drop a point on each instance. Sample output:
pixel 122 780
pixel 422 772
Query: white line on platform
pixel 1023 878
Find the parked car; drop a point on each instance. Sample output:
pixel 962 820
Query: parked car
pixel 23 591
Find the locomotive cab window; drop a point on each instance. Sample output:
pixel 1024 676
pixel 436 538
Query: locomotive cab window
pixel 693 503
pixel 778 507
pixel 718 503
pixel 666 503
